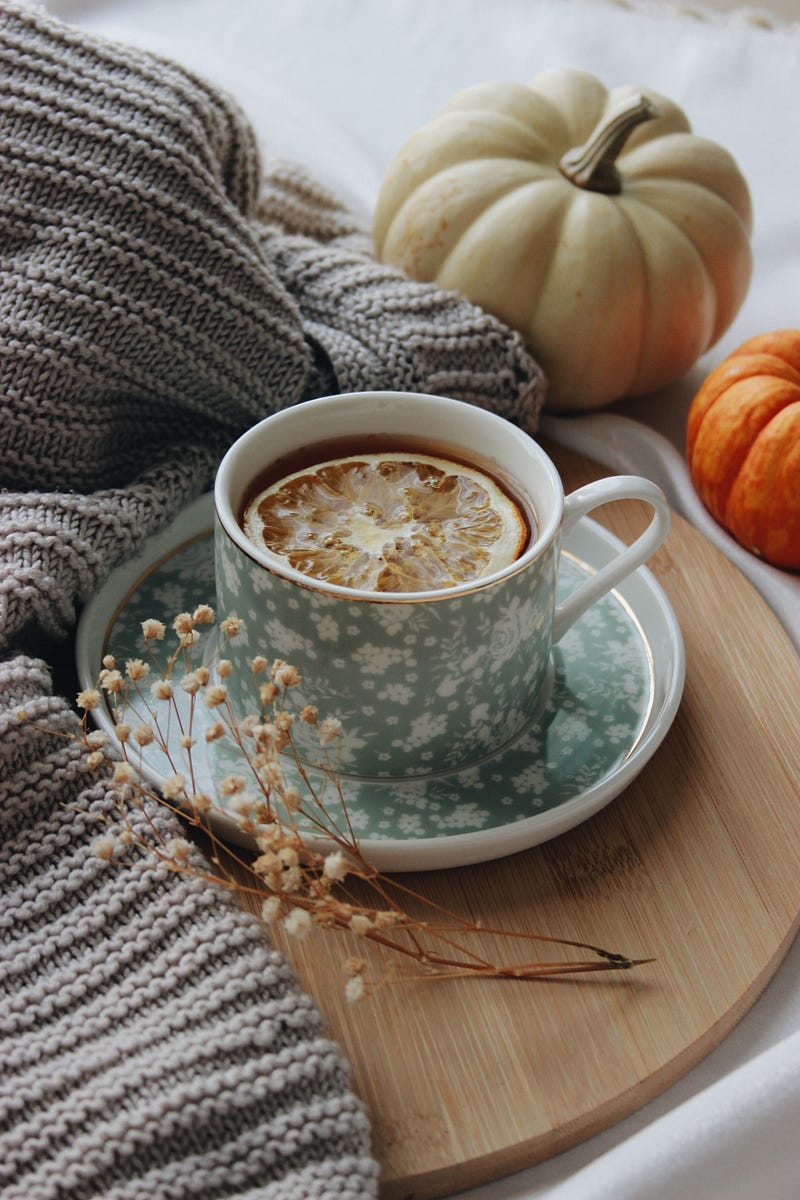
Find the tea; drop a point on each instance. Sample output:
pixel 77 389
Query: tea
pixel 391 515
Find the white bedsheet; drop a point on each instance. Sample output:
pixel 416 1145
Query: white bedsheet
pixel 338 85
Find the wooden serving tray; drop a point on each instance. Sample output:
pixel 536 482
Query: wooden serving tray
pixel 696 864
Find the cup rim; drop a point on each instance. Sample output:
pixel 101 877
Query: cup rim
pixel 547 527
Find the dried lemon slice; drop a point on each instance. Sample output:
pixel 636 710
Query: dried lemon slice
pixel 389 522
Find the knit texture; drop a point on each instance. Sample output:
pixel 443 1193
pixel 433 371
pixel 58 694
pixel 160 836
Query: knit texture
pixel 151 1043
pixel 159 293
pixel 377 329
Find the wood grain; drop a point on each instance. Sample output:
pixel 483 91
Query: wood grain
pixel 697 864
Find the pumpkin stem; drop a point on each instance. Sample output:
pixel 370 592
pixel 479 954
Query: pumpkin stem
pixel 593 164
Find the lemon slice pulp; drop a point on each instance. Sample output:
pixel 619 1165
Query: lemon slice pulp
pixel 389 522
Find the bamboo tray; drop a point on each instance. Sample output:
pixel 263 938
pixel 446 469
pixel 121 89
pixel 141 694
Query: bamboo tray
pixel 696 864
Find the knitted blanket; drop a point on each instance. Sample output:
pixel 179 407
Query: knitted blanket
pixel 160 292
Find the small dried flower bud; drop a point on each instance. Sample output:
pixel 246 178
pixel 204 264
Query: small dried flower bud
pixel 232 626
pixel 103 847
pixel 215 731
pixel 309 714
pixel 187 742
pixel 178 848
pixel 201 802
pixel 241 803
pixel 122 731
pixel 88 699
pixel 20 714
pixel 330 730
pixel 153 631
pixel 284 721
pixel 248 726
pixel 292 878
pixel 267 863
pixel 292 799
pixel 203 674
pixel 354 989
pixel 191 683
pixel 289 856
pixel 172 787
pixel 360 924
pixel 216 695
pixel 126 838
pixel 224 667
pixel 287 676
pixel 95 760
pixel 336 866
pixel 267 693
pixel 267 836
pixel 232 784
pixel 124 773
pixel 96 738
pixel 260 810
pixel 183 623
pixel 204 615
pixel 161 689
pixel 109 661
pixel 113 681
pixel 189 639
pixel 135 669
pixel 259 664
pixel 386 918
pixel 270 773
pixel 354 966
pixel 143 735
pixel 297 923
pixel 271 909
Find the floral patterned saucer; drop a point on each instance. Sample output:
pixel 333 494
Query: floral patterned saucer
pixel 617 682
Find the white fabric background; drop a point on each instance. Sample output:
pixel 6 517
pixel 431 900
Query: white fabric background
pixel 338 85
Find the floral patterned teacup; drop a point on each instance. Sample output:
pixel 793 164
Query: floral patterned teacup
pixel 422 682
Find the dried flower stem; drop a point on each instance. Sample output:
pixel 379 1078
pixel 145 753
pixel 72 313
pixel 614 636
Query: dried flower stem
pixel 308 857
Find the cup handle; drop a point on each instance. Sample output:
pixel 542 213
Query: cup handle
pixel 581 502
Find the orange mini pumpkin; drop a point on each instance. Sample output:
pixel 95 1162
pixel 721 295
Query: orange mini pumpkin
pixel 743 445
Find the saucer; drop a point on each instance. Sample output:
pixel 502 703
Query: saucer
pixel 617 682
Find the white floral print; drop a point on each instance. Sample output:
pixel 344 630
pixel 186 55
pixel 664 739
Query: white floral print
pixel 600 697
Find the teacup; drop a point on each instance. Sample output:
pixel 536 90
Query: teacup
pixel 428 681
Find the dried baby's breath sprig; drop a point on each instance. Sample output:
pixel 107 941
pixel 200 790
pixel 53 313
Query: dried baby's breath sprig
pixel 307 870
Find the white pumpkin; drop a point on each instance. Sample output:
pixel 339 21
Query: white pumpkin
pixel 593 221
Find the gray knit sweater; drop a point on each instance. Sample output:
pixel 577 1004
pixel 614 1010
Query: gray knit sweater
pixel 158 294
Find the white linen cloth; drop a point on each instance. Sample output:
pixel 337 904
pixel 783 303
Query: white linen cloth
pixel 338 85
